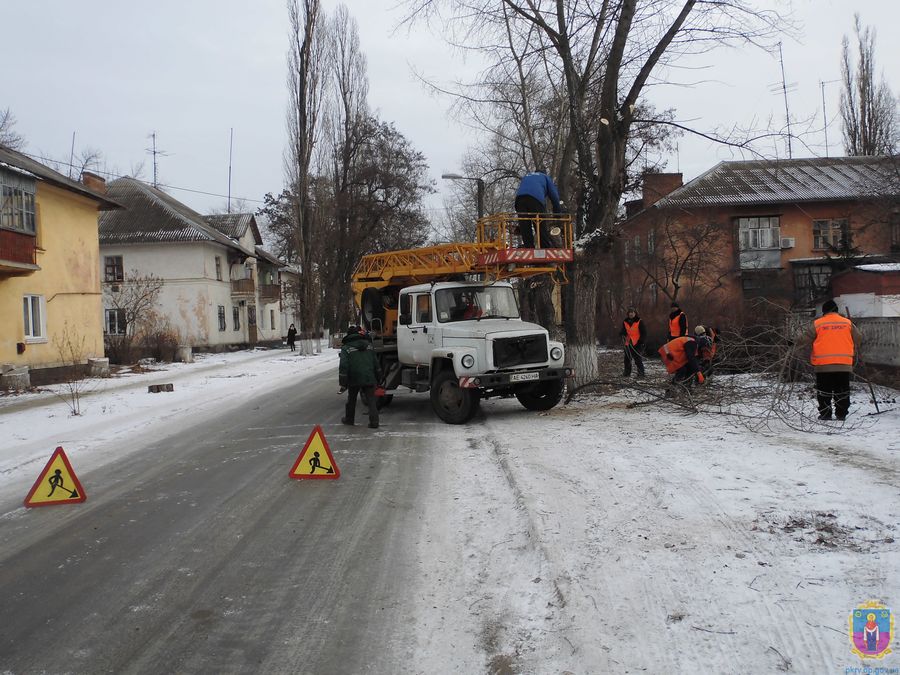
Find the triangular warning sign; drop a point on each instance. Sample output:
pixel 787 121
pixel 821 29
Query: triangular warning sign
pixel 57 483
pixel 315 460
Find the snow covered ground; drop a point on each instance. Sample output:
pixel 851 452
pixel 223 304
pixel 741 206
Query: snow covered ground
pixel 593 538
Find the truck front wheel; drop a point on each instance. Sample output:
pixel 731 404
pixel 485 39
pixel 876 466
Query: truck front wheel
pixel 452 403
pixel 541 395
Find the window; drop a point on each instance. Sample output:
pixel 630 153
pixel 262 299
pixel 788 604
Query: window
pixel 895 231
pixel 222 317
pixel 272 319
pixel 810 283
pixel 759 232
pixel 33 316
pixel 218 268
pixel 626 252
pixel 651 241
pixel 423 309
pixel 112 268
pixel 17 202
pixel 829 234
pixel 115 322
pixel 236 316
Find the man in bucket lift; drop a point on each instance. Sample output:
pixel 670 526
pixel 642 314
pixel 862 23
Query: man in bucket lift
pixel 531 200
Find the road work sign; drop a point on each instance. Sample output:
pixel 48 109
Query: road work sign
pixel 315 460
pixel 57 483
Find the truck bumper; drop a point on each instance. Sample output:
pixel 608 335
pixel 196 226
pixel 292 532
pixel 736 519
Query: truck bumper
pixel 494 380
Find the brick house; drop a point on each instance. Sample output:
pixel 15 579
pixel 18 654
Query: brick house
pixel 748 231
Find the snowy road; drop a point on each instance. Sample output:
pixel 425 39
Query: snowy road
pixel 594 538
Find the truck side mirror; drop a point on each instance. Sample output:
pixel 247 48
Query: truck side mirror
pixel 405 319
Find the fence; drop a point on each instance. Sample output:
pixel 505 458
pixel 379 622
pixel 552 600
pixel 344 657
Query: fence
pixel 881 340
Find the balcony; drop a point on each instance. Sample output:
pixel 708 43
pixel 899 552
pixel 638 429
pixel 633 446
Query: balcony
pixel 243 287
pixel 17 253
pixel 269 292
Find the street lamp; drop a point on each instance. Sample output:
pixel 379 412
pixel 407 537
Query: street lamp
pixel 480 189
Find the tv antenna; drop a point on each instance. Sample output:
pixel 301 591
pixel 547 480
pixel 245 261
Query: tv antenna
pixel 824 114
pixel 156 153
pixel 785 88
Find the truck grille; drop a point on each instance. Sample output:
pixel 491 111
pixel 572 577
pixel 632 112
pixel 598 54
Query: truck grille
pixel 515 351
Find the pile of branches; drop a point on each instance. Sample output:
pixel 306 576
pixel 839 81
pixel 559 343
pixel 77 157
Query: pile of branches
pixel 760 377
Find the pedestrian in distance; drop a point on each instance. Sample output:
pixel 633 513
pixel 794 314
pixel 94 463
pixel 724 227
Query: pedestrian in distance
pixel 677 325
pixel 358 372
pixel 534 190
pixel 834 346
pixel 633 335
pixel 291 337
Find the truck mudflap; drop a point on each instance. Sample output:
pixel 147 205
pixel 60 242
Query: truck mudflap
pixel 493 380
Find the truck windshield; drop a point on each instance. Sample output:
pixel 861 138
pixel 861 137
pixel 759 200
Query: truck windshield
pixel 470 303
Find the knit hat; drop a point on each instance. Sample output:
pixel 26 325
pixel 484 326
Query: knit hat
pixel 699 330
pixel 829 306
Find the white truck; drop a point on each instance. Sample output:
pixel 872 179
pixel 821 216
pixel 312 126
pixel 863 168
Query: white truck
pixel 462 340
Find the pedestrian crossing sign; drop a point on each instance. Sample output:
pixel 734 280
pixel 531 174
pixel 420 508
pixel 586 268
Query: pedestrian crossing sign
pixel 315 460
pixel 57 483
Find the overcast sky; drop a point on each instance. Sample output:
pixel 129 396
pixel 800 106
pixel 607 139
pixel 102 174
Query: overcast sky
pixel 191 70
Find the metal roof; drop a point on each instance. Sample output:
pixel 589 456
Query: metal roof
pixel 789 181
pixel 16 161
pixel 269 257
pixel 152 216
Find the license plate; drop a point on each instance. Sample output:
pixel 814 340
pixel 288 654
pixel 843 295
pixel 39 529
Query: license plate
pixel 524 377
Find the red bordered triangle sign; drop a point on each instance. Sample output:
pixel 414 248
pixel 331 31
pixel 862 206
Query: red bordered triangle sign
pixel 315 460
pixel 57 483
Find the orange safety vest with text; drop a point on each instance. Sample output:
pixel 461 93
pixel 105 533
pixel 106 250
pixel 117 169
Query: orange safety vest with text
pixel 675 349
pixel 834 341
pixel 633 331
pixel 675 325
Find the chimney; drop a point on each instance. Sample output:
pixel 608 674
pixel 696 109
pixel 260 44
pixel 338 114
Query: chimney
pixel 93 182
pixel 658 185
pixel 633 206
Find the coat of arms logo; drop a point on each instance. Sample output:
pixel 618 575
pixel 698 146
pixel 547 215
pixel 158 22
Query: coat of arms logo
pixel 871 630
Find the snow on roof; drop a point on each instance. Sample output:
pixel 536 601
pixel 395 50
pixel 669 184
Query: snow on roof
pixel 879 267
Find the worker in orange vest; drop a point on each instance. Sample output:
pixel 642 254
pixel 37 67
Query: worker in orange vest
pixel 677 322
pixel 707 344
pixel 834 341
pixel 633 335
pixel 679 356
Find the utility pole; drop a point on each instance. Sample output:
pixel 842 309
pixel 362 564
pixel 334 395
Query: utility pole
pixel 787 112
pixel 824 114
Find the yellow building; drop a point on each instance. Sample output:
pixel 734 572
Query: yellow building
pixel 49 266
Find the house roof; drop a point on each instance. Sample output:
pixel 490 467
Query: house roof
pixel 789 181
pixel 235 225
pixel 16 161
pixel 269 257
pixel 152 216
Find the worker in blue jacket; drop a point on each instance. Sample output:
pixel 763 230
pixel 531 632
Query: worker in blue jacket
pixel 531 198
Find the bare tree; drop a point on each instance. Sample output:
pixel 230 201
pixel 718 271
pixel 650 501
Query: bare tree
pixel 8 135
pixel 604 54
pixel 305 65
pixel 868 109
pixel 132 301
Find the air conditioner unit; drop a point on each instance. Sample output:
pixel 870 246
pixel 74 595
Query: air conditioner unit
pixel 787 242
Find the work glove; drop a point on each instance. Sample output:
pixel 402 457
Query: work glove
pixel 700 378
pixel 342 390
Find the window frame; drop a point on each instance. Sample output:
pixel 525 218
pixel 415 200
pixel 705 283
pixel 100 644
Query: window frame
pixel 113 272
pixel 236 317
pixel 120 321
pixel 754 235
pixel 218 268
pixel 28 318
pixel 18 207
pixel 223 326
pixel 841 226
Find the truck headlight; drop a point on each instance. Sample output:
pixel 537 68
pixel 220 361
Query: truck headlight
pixel 556 353
pixel 467 361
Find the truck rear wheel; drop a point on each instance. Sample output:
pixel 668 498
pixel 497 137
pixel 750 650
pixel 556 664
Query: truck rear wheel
pixel 452 403
pixel 541 395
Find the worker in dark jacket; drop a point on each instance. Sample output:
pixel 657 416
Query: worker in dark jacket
pixel 835 342
pixel 531 198
pixel 678 325
pixel 633 335
pixel 707 345
pixel 358 370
